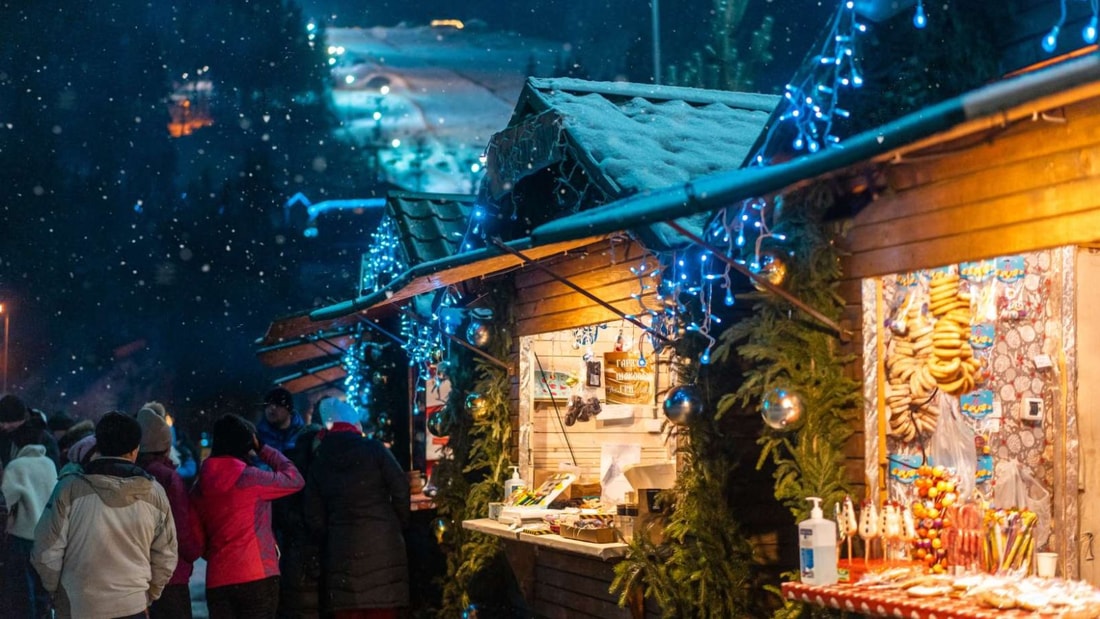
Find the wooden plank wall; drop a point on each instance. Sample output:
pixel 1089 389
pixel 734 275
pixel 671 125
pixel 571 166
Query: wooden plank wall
pixel 544 304
pixel 553 443
pixel 569 586
pixel 1032 185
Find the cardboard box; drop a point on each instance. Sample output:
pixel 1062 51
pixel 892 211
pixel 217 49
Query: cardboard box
pixel 594 536
pixel 579 491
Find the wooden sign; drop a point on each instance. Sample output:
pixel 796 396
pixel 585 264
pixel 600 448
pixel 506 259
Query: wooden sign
pixel 627 379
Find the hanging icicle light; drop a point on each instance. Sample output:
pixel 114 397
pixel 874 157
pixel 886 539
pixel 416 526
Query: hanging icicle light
pixel 1050 41
pixel 1089 32
pixel 920 20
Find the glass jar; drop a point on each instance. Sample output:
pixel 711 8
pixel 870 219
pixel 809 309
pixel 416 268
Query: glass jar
pixel 625 516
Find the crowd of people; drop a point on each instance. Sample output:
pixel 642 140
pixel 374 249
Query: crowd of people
pixel 293 518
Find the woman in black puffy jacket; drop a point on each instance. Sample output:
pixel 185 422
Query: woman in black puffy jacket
pixel 357 500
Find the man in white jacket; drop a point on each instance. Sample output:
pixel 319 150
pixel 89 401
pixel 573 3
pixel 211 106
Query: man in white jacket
pixel 27 484
pixel 106 545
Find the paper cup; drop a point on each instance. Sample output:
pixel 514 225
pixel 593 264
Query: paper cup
pixel 494 510
pixel 1046 564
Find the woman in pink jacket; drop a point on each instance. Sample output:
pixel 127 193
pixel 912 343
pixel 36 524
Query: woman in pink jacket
pixel 231 502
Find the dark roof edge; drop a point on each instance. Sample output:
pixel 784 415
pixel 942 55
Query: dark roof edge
pixel 425 268
pixel 721 189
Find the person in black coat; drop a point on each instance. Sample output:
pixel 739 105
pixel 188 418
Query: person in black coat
pixel 357 500
pixel 19 426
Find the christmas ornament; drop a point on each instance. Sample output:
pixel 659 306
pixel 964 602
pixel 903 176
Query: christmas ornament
pixel 383 421
pixel 441 529
pixel 379 378
pixel 683 404
pixel 437 424
pixel 470 612
pixel 478 334
pixel 477 407
pixel 781 408
pixel 771 267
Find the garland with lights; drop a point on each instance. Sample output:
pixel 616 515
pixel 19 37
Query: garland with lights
pixel 794 360
pixel 704 566
pixel 472 473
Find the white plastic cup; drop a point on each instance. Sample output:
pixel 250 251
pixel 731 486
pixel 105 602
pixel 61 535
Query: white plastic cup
pixel 1046 564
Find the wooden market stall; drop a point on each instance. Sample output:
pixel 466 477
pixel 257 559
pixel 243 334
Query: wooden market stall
pixel 994 189
pixel 587 384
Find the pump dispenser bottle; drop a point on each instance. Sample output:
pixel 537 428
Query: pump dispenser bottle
pixel 510 485
pixel 817 547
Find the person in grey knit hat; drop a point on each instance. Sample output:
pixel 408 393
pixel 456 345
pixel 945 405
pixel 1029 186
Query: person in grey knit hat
pixel 154 456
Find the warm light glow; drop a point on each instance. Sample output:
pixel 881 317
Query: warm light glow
pixel 443 23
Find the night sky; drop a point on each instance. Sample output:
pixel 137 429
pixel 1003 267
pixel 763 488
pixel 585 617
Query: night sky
pixel 139 266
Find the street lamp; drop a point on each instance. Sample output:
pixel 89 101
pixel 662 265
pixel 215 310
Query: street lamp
pixel 7 321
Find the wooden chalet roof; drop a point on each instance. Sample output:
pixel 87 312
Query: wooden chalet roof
pixel 431 226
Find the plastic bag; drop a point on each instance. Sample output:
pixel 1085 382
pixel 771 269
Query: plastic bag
pixel 952 445
pixel 1017 488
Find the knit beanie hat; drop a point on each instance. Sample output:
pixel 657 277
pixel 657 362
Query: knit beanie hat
pixel 12 409
pixel 334 410
pixel 82 449
pixel 156 434
pixel 233 436
pixel 117 434
pixel 157 408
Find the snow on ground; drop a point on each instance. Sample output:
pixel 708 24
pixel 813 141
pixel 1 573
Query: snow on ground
pixel 429 98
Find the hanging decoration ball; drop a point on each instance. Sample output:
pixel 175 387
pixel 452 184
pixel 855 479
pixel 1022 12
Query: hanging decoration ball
pixel 441 529
pixel 477 407
pixel 383 420
pixel 478 334
pixel 781 409
pixel 437 424
pixel 683 404
pixel 772 268
pixel 437 355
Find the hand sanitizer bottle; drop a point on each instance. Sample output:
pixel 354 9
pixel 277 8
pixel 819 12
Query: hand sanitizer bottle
pixel 817 547
pixel 510 485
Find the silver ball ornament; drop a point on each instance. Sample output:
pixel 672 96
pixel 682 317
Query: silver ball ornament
pixel 478 334
pixel 437 424
pixel 683 404
pixel 781 409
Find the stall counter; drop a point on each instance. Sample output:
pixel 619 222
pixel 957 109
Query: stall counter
pixel 895 603
pixel 561 577
pixel 604 552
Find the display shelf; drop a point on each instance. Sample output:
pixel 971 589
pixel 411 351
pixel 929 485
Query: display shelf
pixel 605 552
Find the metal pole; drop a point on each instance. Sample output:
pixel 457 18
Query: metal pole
pixel 655 4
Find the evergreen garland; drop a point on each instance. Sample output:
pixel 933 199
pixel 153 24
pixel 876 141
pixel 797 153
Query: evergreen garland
pixel 704 566
pixel 788 349
pixel 473 470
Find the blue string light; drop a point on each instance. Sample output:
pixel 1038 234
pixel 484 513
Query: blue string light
pixel 356 362
pixel 1089 32
pixel 1050 41
pixel 920 20
pixel 383 260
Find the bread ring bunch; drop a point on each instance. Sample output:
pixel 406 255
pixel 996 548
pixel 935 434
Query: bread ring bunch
pixel 909 384
pixel 952 363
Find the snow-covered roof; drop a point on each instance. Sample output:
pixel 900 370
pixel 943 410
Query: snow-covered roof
pixel 627 137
